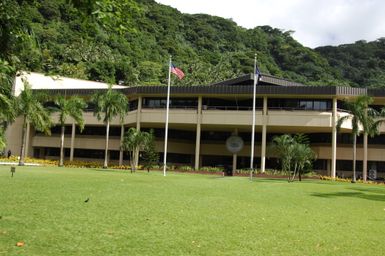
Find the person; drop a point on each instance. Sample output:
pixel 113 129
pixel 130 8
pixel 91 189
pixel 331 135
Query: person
pixel 9 153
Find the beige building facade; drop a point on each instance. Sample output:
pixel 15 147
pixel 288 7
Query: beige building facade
pixel 203 117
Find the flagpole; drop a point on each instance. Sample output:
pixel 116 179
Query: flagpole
pixel 253 125
pixel 167 114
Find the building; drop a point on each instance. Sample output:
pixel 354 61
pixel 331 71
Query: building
pixel 203 117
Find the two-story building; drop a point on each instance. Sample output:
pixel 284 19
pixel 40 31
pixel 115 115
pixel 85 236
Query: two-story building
pixel 202 117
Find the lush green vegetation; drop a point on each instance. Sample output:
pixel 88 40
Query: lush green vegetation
pixel 129 42
pixel 361 63
pixel 181 214
pixel 294 154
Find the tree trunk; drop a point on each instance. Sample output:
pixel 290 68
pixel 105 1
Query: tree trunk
pixel 121 145
pixel 61 161
pixel 137 152
pixel 354 158
pixel 365 160
pixel 23 140
pixel 132 161
pixel 294 172
pixel 105 165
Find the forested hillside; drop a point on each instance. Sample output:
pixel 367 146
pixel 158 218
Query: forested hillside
pixel 361 63
pixel 129 41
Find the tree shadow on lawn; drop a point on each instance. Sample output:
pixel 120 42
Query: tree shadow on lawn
pixel 370 190
pixel 360 195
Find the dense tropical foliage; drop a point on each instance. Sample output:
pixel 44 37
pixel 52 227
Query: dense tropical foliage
pixel 129 42
pixel 7 111
pixel 361 63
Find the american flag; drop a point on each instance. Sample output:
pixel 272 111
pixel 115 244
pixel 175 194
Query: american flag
pixel 179 73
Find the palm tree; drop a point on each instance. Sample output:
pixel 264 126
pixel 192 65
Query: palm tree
pixel 362 119
pixel 376 119
pixel 108 105
pixel 150 155
pixel 29 106
pixel 134 141
pixel 283 147
pixel 7 113
pixel 294 153
pixel 71 107
pixel 303 156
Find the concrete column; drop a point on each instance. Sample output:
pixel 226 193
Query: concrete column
pixel 138 113
pixel 27 140
pixel 198 134
pixel 264 128
pixel 334 139
pixel 121 145
pixel 365 160
pixel 235 154
pixel 72 147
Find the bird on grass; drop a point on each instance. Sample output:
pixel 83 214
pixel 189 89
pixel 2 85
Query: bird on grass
pixel 88 199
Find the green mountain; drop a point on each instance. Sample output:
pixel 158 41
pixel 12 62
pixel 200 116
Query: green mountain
pixel 130 41
pixel 361 63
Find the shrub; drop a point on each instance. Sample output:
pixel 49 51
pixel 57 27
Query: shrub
pixel 212 169
pixel 186 168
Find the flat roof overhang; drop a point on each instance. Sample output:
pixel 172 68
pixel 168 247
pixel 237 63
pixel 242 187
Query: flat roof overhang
pixel 226 90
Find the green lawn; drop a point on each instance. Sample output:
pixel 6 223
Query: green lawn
pixel 184 214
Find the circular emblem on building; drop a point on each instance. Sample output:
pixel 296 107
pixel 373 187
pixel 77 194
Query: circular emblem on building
pixel 234 144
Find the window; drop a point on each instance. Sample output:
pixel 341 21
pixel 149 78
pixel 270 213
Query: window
pixel 231 104
pixel 133 105
pixel 184 103
pixel 299 104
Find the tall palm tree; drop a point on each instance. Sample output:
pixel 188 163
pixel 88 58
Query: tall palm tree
pixel 68 107
pixel 108 105
pixel 29 105
pixel 362 119
pixel 376 119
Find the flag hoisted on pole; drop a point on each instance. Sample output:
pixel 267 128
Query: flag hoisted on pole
pixel 256 77
pixel 176 71
pixel 179 73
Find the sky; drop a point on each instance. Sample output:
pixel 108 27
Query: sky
pixel 314 22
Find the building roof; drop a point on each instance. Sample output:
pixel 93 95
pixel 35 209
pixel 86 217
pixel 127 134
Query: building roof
pixel 39 81
pixel 264 79
pixel 267 85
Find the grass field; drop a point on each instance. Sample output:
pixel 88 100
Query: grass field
pixel 184 214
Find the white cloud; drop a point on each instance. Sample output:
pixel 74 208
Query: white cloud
pixel 315 22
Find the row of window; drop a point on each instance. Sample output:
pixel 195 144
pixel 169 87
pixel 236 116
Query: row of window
pixel 223 104
pixel 232 104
